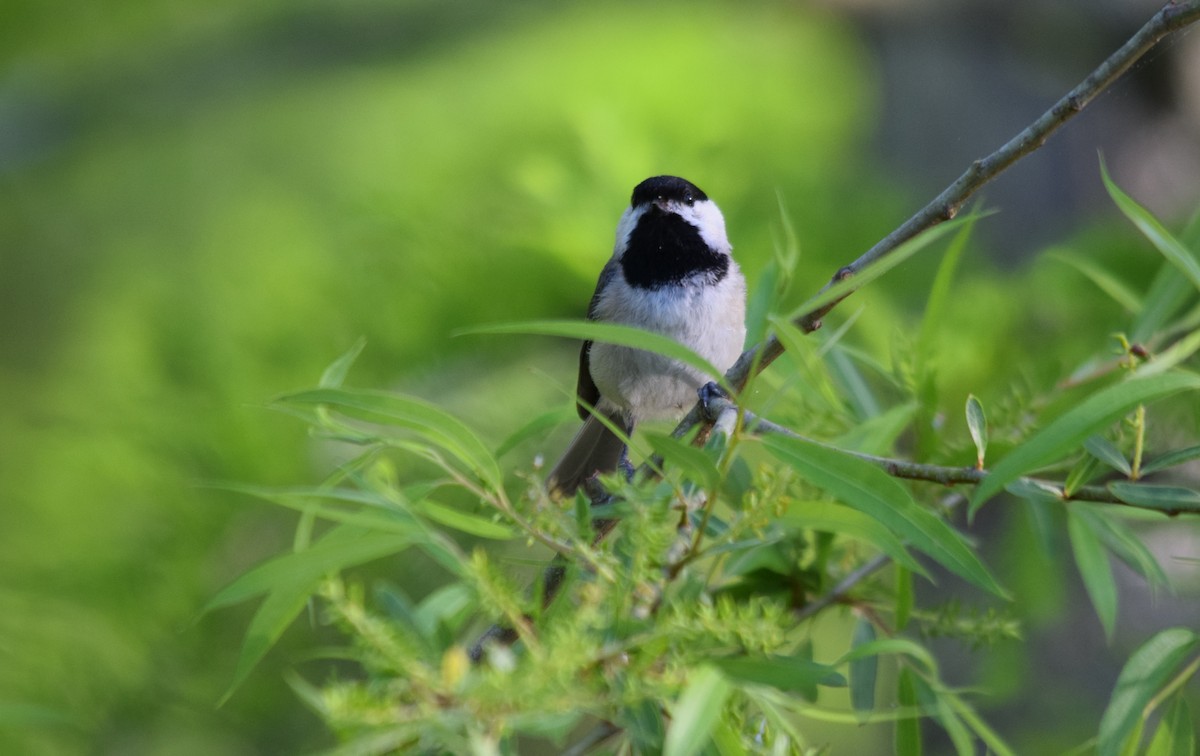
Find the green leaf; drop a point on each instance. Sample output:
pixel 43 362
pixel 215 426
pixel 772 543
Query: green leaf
pixel 608 333
pixel 277 612
pixel 446 606
pixel 792 674
pixel 1167 293
pixel 727 741
pixel 1107 452
pixel 1081 472
pixel 1148 670
pixel 863 671
pixel 1125 545
pixel 908 729
pixel 897 646
pixel 1170 247
pixel 535 427
pixel 862 486
pixel 694 463
pixel 341 548
pixel 1105 281
pixel 854 386
pixel 1065 434
pixel 696 712
pixel 836 518
pixel 1165 498
pixel 977 425
pixel 335 374
pixel 430 422
pixel 1035 491
pixel 927 350
pixel 981 729
pixel 471 524
pixel 1171 459
pixel 883 265
pixel 878 434
pixel 1094 568
pixel 370 511
pixel 1176 736
pixel 942 290
pixel 904 597
pixel 1174 355
pixel 643 721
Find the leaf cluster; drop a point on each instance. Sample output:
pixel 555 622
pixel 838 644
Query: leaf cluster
pixel 677 612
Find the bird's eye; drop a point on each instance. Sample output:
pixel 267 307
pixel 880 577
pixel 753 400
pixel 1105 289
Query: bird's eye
pixel 689 199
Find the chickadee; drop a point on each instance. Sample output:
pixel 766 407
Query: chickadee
pixel 671 272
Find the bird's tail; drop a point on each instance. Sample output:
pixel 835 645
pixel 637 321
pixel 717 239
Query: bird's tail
pixel 595 449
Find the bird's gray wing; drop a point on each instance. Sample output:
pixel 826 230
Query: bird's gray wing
pixel 585 390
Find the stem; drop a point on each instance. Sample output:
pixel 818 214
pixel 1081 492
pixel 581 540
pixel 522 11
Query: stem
pixel 1139 442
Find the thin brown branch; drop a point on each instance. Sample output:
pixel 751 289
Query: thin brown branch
pixel 1172 17
pixel 946 475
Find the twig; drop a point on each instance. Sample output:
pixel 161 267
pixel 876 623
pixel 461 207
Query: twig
pixel 944 474
pixel 839 591
pixel 1172 17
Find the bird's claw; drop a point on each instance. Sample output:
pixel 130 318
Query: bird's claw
pixel 710 393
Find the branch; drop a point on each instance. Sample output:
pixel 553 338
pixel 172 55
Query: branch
pixel 1173 16
pixel 943 474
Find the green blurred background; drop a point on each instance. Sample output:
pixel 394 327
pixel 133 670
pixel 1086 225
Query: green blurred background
pixel 203 204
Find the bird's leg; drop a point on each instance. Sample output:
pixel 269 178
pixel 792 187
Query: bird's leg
pixel 624 465
pixel 709 393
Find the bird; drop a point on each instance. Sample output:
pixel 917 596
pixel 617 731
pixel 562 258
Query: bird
pixel 671 272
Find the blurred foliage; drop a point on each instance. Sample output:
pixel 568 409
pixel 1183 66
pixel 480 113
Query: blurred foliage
pixel 204 202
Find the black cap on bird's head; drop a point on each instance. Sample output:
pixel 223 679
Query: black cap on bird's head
pixel 666 188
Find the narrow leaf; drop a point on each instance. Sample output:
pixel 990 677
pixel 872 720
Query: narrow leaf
pixel 277 612
pixel 1170 247
pixel 1125 545
pixel 1105 281
pixel 1174 355
pixel 1171 459
pixel 882 265
pixel 792 674
pixel 878 434
pixel 1066 433
pixel 1167 293
pixel 908 729
pixel 836 518
pixel 1148 670
pixel 430 422
pixel 862 486
pixel 693 462
pixel 897 646
pixel 977 425
pixel 1081 472
pixel 1107 452
pixel 326 557
pixel 696 712
pixel 1176 736
pixel 608 333
pixel 904 597
pixel 335 374
pixel 1094 568
pixel 1165 498
pixel 863 671
pixel 535 427
pixel 472 524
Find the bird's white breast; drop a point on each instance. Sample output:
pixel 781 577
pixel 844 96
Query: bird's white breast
pixel 707 318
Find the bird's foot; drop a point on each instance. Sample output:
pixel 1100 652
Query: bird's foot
pixel 711 394
pixel 625 465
